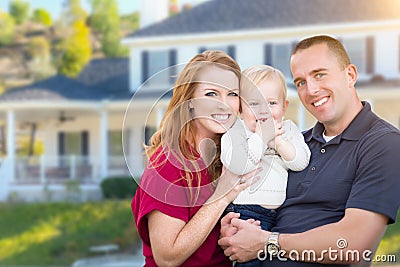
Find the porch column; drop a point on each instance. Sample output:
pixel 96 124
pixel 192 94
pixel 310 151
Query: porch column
pixel 301 117
pixel 11 144
pixel 136 163
pixel 104 143
pixel 160 114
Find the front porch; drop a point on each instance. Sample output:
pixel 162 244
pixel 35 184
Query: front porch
pixel 56 178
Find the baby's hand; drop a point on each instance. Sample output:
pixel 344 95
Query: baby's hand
pixel 278 139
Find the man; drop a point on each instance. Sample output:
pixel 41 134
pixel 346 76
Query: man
pixel 338 208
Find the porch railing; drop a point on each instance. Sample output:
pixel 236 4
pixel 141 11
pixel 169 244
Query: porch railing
pixel 59 169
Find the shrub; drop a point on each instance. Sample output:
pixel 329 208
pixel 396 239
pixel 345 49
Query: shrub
pixel 118 187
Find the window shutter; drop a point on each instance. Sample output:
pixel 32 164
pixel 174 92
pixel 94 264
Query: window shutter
pixel 232 51
pixel 85 143
pixel 145 66
pixel 172 63
pixel 61 143
pixel 268 54
pixel 370 54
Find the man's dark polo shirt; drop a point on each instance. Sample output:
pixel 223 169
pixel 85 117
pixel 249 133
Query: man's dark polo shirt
pixel 357 169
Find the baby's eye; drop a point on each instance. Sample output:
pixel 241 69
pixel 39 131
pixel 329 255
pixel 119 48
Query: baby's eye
pixel 211 94
pixel 252 104
pixel 272 103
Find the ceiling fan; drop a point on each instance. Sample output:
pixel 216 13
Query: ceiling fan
pixel 64 118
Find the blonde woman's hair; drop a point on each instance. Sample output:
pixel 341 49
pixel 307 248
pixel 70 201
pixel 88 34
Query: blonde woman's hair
pixel 177 130
pixel 255 75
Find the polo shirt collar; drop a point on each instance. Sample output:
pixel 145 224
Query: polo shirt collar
pixel 354 131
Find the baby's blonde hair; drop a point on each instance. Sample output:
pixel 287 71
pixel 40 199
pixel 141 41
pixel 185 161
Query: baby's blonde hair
pixel 255 75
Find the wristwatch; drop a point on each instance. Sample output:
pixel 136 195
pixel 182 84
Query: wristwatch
pixel 273 247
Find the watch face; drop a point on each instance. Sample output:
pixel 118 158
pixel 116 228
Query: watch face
pixel 273 249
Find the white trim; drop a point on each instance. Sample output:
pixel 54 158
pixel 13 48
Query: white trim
pixel 11 144
pixel 267 33
pixel 104 143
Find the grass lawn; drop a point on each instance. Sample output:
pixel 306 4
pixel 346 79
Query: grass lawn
pixel 390 244
pixel 57 234
pixel 44 234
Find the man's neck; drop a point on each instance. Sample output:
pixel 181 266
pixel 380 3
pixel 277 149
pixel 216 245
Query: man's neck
pixel 337 127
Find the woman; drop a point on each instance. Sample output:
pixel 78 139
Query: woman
pixel 182 193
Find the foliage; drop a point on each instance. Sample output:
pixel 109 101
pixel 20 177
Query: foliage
pixel 390 244
pixel 19 10
pixel 2 86
pixel 73 12
pixel 7 25
pixel 38 47
pixel 105 20
pixel 23 147
pixel 76 50
pixel 130 22
pixel 41 15
pixel 40 64
pixel 118 187
pixel 57 234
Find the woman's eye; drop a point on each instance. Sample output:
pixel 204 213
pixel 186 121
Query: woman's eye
pixel 211 94
pixel 320 75
pixel 233 94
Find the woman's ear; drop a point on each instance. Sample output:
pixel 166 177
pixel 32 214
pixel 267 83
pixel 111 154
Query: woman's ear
pixel 190 104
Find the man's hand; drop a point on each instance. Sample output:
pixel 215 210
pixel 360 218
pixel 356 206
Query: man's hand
pixel 243 245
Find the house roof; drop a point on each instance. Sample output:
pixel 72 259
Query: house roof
pixel 101 79
pixel 57 87
pixel 234 15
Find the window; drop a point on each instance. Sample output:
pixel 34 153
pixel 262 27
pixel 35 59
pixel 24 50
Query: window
pixel 278 56
pixel 281 58
pixel 73 143
pixel 158 62
pixel 230 50
pixel 115 143
pixel 148 133
pixel 360 54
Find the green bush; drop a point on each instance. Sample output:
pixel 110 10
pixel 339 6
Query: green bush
pixel 118 187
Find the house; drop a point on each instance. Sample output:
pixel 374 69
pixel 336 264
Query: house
pixel 81 120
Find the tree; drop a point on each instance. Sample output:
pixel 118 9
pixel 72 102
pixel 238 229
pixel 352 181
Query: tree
pixel 40 58
pixel 75 50
pixel 19 10
pixel 6 28
pixel 41 16
pixel 105 20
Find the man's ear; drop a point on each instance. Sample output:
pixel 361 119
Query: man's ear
pixel 352 74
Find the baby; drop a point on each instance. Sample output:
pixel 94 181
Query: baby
pixel 263 139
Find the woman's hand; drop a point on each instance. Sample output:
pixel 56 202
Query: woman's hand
pixel 230 185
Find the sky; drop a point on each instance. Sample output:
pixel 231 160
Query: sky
pixel 54 6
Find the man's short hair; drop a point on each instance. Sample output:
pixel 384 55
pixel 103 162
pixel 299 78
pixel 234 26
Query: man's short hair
pixel 333 44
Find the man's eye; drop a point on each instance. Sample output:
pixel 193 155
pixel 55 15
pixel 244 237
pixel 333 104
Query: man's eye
pixel 300 84
pixel 319 75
